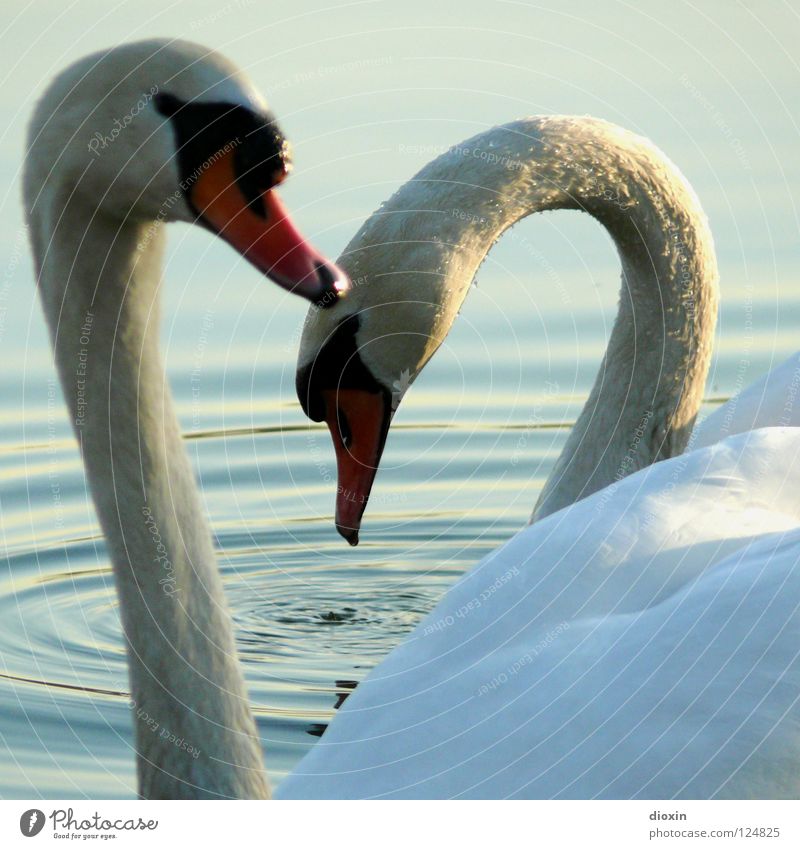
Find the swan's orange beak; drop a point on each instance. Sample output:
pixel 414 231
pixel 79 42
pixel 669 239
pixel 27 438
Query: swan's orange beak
pixel 358 421
pixel 262 231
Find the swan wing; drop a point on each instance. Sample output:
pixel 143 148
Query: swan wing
pixel 641 643
pixel 772 401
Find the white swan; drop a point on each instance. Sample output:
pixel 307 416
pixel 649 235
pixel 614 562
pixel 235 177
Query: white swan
pixel 120 142
pixel 642 642
pixel 413 262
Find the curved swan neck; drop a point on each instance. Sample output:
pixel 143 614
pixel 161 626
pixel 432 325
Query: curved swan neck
pixel 98 278
pixel 432 235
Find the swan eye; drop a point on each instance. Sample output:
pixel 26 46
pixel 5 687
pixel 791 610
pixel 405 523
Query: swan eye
pixel 262 157
pixel 262 161
pixel 337 365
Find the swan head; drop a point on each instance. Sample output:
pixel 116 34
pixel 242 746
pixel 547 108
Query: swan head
pixel 167 130
pixel 358 358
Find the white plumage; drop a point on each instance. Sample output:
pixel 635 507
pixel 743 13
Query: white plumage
pixel 642 643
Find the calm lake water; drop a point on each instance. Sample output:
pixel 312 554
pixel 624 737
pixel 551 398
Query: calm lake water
pixel 368 93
